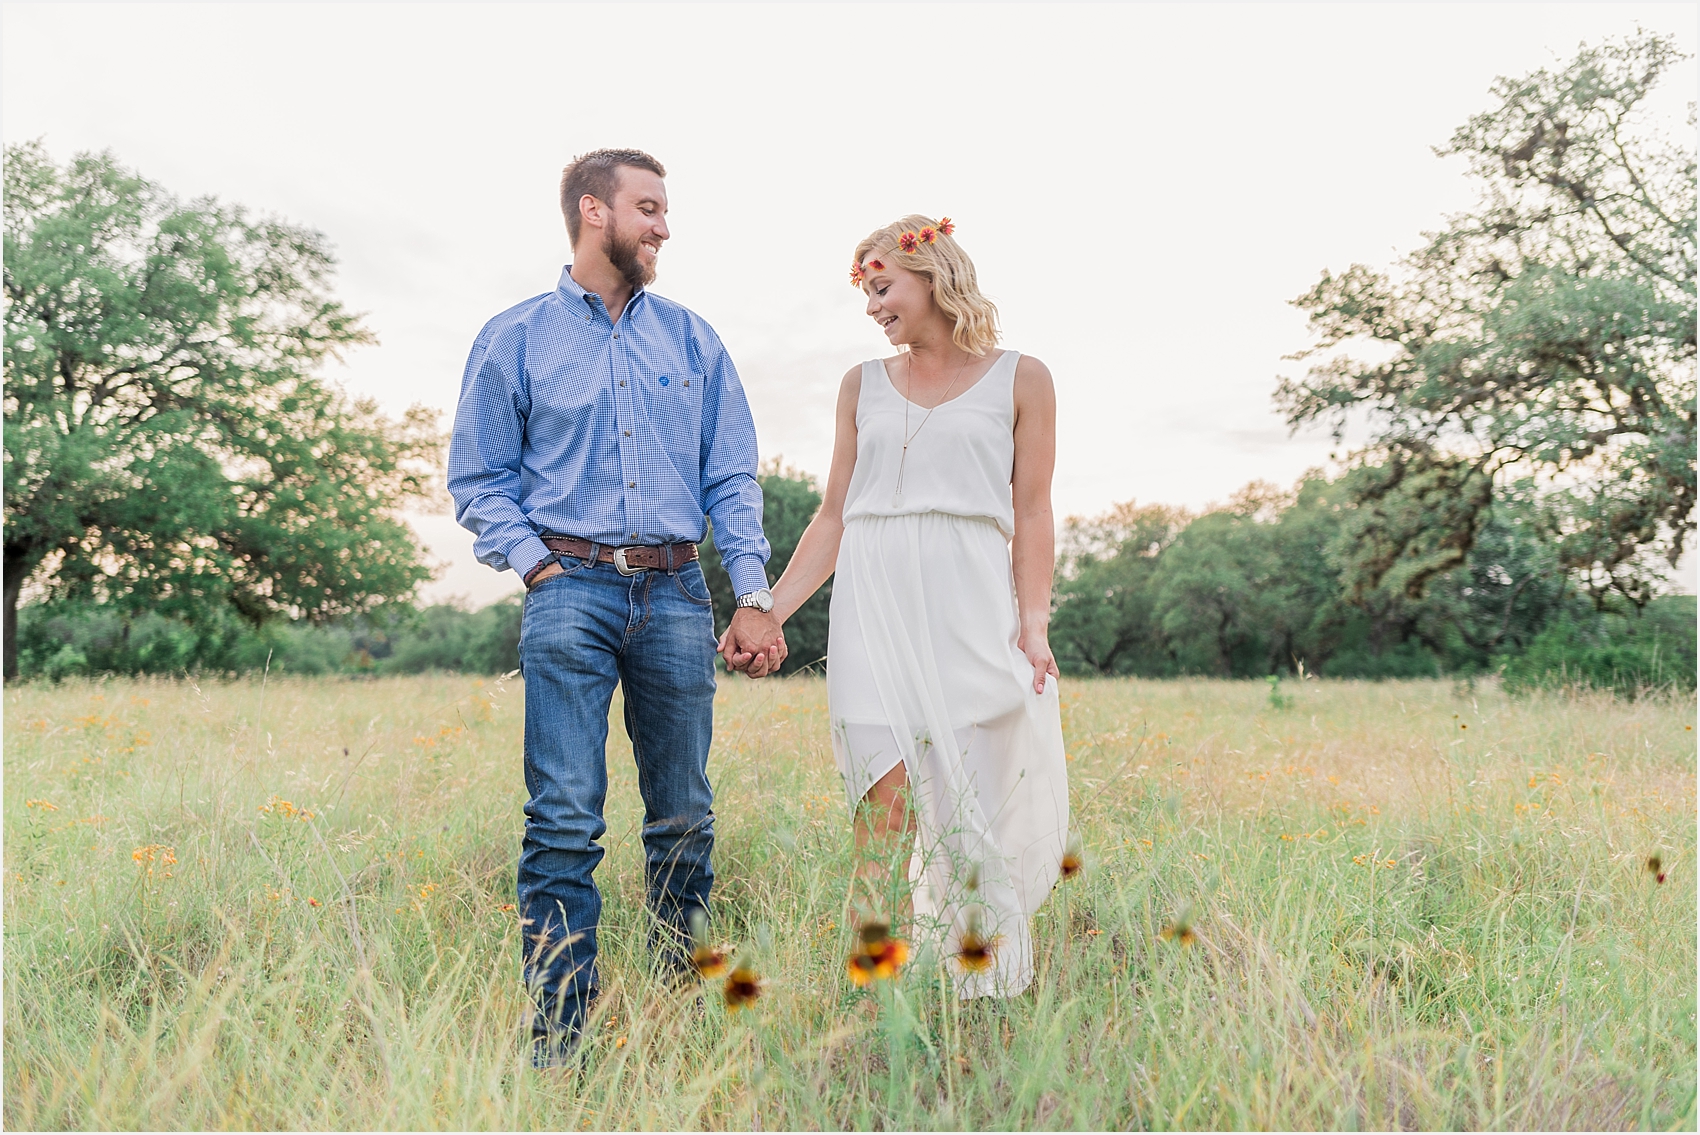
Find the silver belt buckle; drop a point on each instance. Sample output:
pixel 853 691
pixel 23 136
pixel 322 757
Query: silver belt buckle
pixel 621 565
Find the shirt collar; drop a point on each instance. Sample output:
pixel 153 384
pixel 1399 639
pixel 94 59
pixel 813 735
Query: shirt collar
pixel 570 289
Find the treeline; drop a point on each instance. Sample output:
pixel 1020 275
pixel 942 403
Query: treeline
pixel 1272 583
pixel 1260 586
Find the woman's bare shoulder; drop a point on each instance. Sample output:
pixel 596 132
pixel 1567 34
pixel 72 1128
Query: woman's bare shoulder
pixel 1033 379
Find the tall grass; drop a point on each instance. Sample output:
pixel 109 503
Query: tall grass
pixel 287 904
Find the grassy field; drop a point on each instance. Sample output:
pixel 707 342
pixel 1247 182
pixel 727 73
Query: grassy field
pixel 1412 905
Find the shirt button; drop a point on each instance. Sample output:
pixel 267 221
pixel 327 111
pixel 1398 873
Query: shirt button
pixel 616 334
pixel 628 433
pixel 631 484
pixel 634 536
pixel 622 382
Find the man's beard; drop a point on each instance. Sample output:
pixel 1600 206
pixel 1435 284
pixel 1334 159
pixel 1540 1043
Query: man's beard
pixel 623 255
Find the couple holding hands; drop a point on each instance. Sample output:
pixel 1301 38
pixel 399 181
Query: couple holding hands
pixel 599 425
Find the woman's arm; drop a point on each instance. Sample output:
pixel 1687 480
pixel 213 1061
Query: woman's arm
pixel 1033 551
pixel 816 554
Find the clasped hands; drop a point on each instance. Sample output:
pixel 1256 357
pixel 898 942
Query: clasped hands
pixel 754 644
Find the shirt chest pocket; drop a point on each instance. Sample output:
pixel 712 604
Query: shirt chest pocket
pixel 675 410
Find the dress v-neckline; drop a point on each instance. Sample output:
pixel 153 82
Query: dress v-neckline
pixel 975 385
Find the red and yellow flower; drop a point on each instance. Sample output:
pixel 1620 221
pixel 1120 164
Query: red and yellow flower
pixel 878 956
pixel 909 243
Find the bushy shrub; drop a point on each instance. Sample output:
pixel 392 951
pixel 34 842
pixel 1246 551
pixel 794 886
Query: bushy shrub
pixel 1628 654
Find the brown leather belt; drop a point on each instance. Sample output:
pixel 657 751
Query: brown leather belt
pixel 630 559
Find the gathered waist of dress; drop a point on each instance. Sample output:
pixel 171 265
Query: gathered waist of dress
pixel 872 518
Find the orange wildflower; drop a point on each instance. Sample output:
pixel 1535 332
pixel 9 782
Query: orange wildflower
pixel 711 961
pixel 878 956
pixel 1178 932
pixel 909 243
pixel 742 988
pixel 946 226
pixel 928 234
pixel 1073 861
pixel 975 953
pixel 877 265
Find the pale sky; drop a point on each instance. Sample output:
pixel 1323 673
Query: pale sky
pixel 1142 187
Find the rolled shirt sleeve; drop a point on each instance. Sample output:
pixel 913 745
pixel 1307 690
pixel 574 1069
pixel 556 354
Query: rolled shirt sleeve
pixel 485 471
pixel 731 494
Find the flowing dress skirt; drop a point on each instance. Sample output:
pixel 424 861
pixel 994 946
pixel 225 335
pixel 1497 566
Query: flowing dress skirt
pixel 924 669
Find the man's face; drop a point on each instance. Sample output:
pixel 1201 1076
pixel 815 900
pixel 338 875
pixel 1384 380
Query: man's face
pixel 637 225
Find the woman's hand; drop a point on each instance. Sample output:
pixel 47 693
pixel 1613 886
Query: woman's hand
pixel 1036 645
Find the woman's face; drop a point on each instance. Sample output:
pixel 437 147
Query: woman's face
pixel 899 301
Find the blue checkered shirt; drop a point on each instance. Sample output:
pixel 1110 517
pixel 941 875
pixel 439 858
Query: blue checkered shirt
pixel 571 425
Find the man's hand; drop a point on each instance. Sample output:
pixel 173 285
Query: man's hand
pixel 553 569
pixel 754 643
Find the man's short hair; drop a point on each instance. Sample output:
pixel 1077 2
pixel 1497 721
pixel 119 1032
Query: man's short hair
pixel 598 174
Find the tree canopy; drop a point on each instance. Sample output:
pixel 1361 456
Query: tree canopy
pixel 169 444
pixel 1548 335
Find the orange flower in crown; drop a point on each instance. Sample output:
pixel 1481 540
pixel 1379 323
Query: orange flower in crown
pixel 909 243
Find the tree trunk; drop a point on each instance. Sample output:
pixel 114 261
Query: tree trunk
pixel 16 572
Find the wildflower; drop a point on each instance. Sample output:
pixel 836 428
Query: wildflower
pixel 505 907
pixel 909 243
pixel 946 226
pixel 311 901
pixel 928 234
pixel 708 960
pixel 42 804
pixel 1656 868
pixel 711 961
pixel 877 956
pixel 619 1042
pixel 975 952
pixel 1073 862
pixel 1178 931
pixel 877 265
pixel 742 988
pixel 856 276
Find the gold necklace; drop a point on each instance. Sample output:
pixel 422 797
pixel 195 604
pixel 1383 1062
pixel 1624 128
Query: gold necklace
pixel 908 384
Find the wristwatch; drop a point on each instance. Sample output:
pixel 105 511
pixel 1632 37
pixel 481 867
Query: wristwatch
pixel 761 599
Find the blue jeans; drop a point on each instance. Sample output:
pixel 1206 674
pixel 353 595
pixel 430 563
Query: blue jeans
pixel 581 632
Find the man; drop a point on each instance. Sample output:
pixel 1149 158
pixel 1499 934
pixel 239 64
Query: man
pixel 598 424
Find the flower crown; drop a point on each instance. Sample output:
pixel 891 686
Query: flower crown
pixel 909 242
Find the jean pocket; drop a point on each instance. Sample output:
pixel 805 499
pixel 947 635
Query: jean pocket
pixel 569 565
pixel 691 584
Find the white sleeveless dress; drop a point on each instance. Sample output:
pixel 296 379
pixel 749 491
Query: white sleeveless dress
pixel 923 667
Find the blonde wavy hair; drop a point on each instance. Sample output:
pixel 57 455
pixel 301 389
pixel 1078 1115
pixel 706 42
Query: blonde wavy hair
pixel 946 266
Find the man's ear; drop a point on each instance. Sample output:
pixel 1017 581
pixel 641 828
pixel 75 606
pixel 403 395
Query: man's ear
pixel 592 211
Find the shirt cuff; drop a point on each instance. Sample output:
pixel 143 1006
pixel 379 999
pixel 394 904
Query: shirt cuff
pixel 747 574
pixel 527 554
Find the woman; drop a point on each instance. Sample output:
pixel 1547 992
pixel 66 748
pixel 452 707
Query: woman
pixel 940 682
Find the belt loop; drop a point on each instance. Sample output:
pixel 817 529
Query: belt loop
pixel 672 565
pixel 594 554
